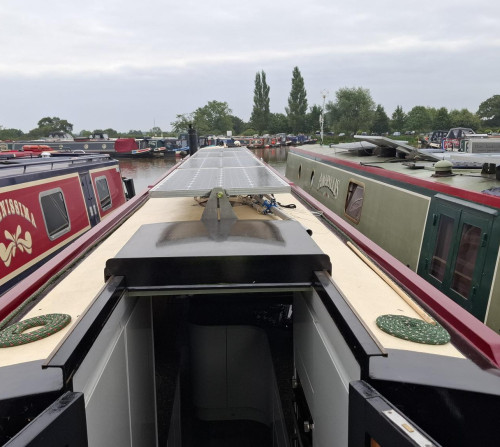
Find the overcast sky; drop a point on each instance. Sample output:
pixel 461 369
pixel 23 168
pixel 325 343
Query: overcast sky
pixel 135 64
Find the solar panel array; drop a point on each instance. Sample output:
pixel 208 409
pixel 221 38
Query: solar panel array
pixel 236 170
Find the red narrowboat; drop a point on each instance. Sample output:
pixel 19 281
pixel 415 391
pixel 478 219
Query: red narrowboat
pixel 45 203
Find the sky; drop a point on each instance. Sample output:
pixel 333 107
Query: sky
pixel 127 65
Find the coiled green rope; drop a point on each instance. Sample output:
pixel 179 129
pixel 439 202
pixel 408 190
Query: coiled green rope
pixel 413 329
pixel 14 334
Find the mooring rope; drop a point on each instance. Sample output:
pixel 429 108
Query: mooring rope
pixel 14 334
pixel 413 329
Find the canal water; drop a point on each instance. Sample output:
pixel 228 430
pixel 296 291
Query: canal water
pixel 146 171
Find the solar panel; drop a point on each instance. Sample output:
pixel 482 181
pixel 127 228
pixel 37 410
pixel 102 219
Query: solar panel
pixel 237 171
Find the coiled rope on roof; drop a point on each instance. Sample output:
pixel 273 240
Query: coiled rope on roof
pixel 15 335
pixel 413 329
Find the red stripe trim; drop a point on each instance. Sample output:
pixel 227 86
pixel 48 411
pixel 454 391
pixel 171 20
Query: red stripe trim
pixel 477 197
pixel 456 319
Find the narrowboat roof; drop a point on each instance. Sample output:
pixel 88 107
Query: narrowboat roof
pixel 465 175
pixel 362 288
pixel 16 169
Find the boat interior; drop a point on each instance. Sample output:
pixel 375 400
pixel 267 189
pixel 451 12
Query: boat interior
pixel 210 324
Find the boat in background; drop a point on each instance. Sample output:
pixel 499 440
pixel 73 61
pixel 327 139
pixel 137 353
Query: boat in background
pixel 455 135
pixel 227 306
pixel 27 151
pixel 433 139
pixel 117 147
pixel 46 203
pixel 436 211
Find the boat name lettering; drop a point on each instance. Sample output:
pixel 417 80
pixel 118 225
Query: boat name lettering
pixel 10 207
pixel 332 183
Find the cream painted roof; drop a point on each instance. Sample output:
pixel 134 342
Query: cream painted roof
pixel 369 295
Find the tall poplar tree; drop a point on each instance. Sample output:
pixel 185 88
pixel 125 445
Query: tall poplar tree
pixel 399 117
pixel 260 113
pixel 297 103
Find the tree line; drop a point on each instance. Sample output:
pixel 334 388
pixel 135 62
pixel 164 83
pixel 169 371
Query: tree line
pixel 352 111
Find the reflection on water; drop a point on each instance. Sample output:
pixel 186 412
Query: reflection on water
pixel 274 156
pixel 146 171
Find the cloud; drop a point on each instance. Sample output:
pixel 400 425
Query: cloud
pixel 125 64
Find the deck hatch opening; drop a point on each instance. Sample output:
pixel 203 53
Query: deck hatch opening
pixel 218 252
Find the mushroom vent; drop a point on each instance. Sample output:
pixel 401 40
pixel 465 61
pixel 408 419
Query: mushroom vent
pixel 443 168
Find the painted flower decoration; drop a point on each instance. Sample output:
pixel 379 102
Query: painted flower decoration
pixel 16 242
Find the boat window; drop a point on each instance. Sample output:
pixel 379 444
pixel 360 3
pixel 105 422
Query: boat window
pixel 444 240
pixel 55 213
pixel 103 192
pixel 354 201
pixel 466 259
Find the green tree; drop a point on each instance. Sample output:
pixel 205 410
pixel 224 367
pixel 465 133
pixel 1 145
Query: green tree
pixel 464 118
pixel 10 134
pixel 260 112
pixel 398 121
pixel 312 119
pixel 441 120
pixel 249 132
pixel 182 121
pixel 489 111
pixel 419 119
pixel 214 118
pixel 55 124
pixel 238 125
pixel 278 123
pixel 297 103
pixel 380 121
pixel 155 131
pixel 352 110
pixel 134 134
pixel 50 125
pixel 111 133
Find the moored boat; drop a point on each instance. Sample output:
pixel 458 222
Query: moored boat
pixel 436 212
pixel 118 147
pixel 45 203
pixel 218 309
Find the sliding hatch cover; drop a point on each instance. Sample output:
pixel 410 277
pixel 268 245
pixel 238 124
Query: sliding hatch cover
pixel 245 252
pixel 218 249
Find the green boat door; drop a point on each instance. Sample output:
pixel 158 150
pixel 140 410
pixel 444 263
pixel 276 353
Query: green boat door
pixel 455 252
